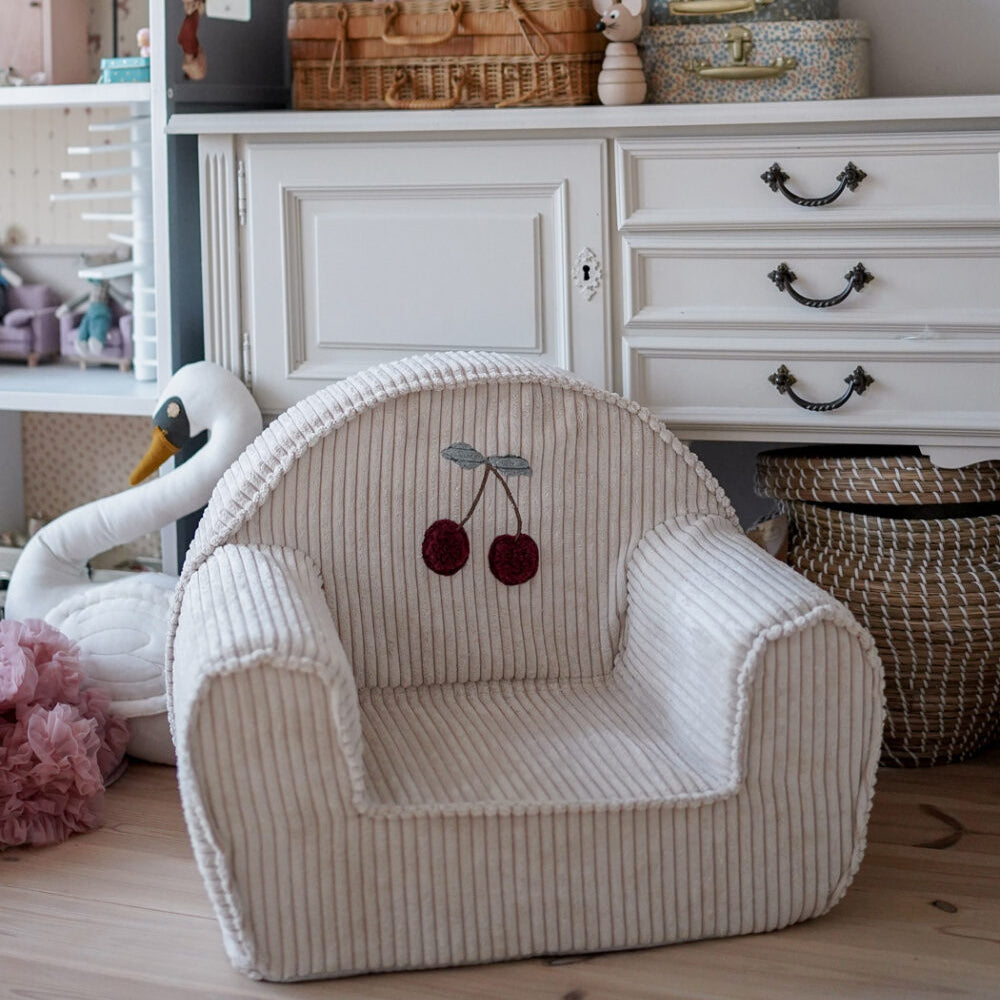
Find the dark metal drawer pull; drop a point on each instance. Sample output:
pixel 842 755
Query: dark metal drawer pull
pixel 857 382
pixel 857 278
pixel 850 177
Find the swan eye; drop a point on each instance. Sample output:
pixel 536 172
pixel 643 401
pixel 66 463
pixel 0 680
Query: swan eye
pixel 173 421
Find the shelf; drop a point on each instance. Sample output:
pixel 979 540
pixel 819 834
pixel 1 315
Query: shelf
pixel 108 272
pixel 62 387
pixel 74 95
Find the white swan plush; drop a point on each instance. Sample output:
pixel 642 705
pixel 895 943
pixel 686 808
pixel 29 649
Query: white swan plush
pixel 120 626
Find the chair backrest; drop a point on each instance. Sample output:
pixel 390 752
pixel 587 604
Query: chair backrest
pixel 355 475
pixel 30 297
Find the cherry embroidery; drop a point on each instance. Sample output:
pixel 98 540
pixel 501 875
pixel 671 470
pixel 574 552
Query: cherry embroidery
pixel 446 547
pixel 513 559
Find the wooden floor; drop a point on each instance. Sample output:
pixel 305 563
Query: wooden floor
pixel 120 913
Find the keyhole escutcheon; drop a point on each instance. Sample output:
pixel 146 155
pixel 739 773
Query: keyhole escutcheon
pixel 586 273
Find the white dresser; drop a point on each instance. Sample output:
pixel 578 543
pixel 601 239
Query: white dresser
pixel 641 247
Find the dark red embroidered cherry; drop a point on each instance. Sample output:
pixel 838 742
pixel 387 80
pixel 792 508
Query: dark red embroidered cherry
pixel 513 558
pixel 446 547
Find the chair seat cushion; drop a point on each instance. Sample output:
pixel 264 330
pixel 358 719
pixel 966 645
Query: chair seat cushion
pixel 524 743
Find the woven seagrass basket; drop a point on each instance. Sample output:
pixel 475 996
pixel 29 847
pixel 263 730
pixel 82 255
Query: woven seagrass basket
pixel 914 552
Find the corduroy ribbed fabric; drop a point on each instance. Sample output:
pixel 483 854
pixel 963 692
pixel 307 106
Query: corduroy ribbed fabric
pixel 664 735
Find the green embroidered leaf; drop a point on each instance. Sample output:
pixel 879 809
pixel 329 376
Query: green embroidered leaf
pixel 510 465
pixel 464 455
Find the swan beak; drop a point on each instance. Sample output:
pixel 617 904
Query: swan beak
pixel 160 449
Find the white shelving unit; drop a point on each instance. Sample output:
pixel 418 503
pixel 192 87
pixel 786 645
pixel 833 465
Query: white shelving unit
pixel 61 387
pixel 137 219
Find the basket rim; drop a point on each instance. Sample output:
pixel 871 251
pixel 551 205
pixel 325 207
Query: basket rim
pixel 875 476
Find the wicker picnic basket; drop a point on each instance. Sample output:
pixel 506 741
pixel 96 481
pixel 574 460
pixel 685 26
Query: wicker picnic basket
pixel 433 54
pixel 914 551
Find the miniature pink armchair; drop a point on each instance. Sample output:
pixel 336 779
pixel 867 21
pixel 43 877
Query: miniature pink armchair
pixel 118 348
pixel 470 661
pixel 29 329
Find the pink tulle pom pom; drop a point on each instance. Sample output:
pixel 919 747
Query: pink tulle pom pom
pixel 59 742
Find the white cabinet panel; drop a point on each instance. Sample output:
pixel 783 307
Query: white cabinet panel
pixel 433 295
pixel 357 254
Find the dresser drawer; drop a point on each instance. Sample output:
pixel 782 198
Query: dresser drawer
pixel 717 182
pixel 920 392
pixel 933 285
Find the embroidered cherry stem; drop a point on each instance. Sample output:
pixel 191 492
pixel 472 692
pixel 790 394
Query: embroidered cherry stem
pixel 479 495
pixel 510 496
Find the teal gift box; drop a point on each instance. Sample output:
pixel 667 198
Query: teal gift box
pixel 125 69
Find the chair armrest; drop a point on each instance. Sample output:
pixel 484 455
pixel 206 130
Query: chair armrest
pixel 744 650
pixel 125 327
pixel 68 322
pixel 263 611
pixel 45 327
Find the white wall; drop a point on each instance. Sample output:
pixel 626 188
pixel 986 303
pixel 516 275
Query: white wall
pixel 925 47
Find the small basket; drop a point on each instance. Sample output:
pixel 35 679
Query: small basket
pixel 914 552
pixel 438 54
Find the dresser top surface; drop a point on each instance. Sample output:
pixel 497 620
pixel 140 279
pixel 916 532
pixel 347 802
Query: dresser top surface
pixel 945 113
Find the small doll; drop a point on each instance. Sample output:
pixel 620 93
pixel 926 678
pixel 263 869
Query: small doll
pixel 142 40
pixel 194 64
pixel 92 332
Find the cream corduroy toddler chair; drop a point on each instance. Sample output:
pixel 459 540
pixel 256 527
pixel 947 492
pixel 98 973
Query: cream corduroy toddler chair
pixel 389 762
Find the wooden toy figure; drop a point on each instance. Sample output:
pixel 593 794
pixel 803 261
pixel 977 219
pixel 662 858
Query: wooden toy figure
pixel 621 80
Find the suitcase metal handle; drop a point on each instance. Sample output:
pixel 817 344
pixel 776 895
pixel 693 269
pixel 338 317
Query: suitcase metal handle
pixel 702 8
pixel 857 278
pixel 392 12
pixel 740 43
pixel 857 382
pixel 401 79
pixel 850 177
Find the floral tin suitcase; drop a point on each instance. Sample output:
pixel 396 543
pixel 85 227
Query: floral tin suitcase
pixel 774 61
pixel 737 11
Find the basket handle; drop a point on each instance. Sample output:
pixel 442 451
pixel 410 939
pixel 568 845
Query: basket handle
pixel 401 78
pixel 534 34
pixel 392 12
pixel 512 74
pixel 857 382
pixel 337 53
pixel 703 8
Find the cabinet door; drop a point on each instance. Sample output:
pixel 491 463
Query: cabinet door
pixel 360 253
